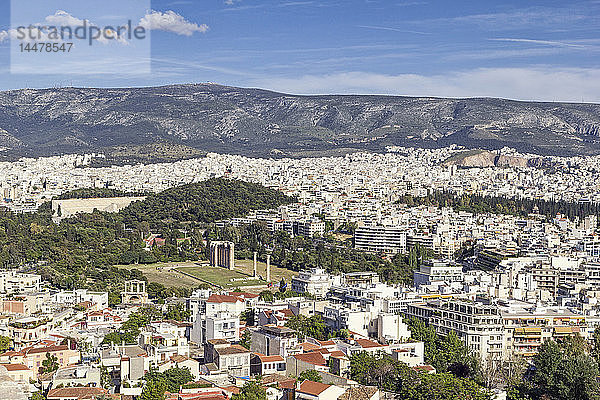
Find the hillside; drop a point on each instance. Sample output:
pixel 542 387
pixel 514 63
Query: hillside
pixel 209 117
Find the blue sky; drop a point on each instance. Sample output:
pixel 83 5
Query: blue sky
pixel 528 50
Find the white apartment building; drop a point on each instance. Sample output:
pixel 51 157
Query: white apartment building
pixel 391 328
pixel 440 271
pixel 81 295
pixel 314 281
pixel 380 239
pixel 223 325
pixel 15 282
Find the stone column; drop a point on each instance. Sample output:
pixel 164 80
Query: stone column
pixel 254 264
pixel 268 268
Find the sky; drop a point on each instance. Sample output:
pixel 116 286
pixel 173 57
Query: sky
pixel 525 50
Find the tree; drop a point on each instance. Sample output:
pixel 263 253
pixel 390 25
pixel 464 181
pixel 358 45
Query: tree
pixel 313 327
pixel 445 386
pixel 172 379
pixel 310 375
pixel 596 344
pixel 282 285
pixel 266 295
pixel 246 339
pixel 50 364
pixel 154 390
pixel 381 370
pixel 387 374
pixel 176 377
pixel 447 354
pixel 38 396
pixel 4 344
pixel 252 390
pixel 564 371
pixel 178 313
pixel 248 317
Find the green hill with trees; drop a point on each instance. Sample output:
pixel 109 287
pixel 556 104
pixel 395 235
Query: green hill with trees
pixel 204 202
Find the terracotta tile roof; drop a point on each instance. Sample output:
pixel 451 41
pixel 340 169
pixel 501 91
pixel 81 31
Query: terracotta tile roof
pixel 222 298
pixel 15 367
pixel 287 384
pixel 264 358
pixel 326 342
pixel 75 392
pixel 426 368
pixel 95 313
pixel 312 357
pixel 287 312
pixel 244 295
pixel 47 349
pixel 212 395
pixel 365 343
pixel 279 379
pixel 338 354
pixel 11 353
pixel 308 346
pixel 231 389
pixel 179 358
pixel 218 341
pixel 313 388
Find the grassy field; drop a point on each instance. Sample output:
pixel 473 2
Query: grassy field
pixel 221 276
pixel 162 273
pixel 276 273
pixel 166 274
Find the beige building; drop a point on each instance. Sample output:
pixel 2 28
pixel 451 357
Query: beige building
pixel 231 359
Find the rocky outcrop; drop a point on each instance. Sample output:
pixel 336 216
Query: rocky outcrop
pixel 483 159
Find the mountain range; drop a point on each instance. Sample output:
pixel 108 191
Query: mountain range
pixel 197 118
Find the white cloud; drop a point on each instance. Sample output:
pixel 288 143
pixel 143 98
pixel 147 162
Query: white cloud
pixel 170 21
pixel 63 18
pixel 539 84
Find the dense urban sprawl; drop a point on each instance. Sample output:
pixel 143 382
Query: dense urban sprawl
pixel 493 297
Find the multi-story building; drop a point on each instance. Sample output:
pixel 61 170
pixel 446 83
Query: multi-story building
pixel 380 239
pixel 273 340
pixel 440 271
pixel 221 325
pixel 15 282
pixel 306 227
pixel 477 323
pixel 526 326
pixel 314 281
pixel 80 296
pixel 231 359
